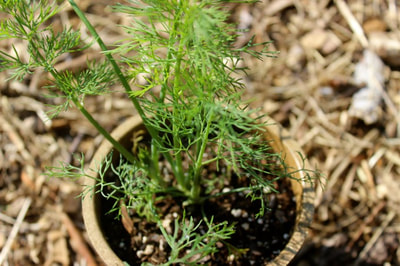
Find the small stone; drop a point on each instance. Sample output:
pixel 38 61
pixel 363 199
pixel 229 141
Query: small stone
pixel 236 213
pixel 161 244
pixel 245 226
pixel 226 190
pixel 148 250
pixel 231 258
pixel 256 252
pixel 166 223
pixel 286 236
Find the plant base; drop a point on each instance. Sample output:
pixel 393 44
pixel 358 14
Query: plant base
pixel 302 212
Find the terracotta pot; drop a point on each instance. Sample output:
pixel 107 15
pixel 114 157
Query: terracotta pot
pixel 303 191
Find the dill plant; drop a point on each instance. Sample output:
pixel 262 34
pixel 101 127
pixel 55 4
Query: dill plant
pixel 190 104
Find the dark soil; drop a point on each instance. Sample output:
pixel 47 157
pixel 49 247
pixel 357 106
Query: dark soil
pixel 263 238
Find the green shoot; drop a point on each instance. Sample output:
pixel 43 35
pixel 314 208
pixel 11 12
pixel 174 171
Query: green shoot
pixel 190 105
pixel 188 246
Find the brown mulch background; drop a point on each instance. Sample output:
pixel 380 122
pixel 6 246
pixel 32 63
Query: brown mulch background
pixel 310 88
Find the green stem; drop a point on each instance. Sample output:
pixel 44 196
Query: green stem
pixel 120 75
pixel 109 57
pixel 195 193
pixel 120 148
pixel 154 170
pixel 177 164
pixel 175 124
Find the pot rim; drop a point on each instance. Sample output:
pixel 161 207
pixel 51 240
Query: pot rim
pixel 303 190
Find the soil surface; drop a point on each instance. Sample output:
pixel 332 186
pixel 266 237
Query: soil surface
pixel 255 241
pixel 312 88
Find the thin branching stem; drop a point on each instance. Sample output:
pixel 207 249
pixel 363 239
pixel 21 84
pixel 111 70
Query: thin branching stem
pixel 119 73
pixel 120 148
pixel 109 57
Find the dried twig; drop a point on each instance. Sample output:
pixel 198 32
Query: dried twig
pixel 16 139
pixel 352 21
pixel 347 185
pixel 375 237
pixel 77 241
pixel 277 6
pixel 375 211
pixel 366 176
pixel 14 230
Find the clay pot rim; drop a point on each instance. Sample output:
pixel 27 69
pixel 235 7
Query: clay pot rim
pixel 304 193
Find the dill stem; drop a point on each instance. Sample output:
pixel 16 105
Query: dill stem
pixel 120 75
pixel 120 148
pixel 175 127
pixel 195 193
pixel 109 57
pixel 177 92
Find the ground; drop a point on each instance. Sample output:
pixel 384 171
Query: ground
pixel 329 51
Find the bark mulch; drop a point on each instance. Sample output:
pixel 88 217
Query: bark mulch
pixel 335 86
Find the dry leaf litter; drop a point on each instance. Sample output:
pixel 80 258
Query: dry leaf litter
pixel 335 86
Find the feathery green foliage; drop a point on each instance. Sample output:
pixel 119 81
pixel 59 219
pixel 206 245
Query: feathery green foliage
pixel 190 104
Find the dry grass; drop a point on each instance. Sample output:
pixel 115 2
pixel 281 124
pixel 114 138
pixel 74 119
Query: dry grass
pixel 309 88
